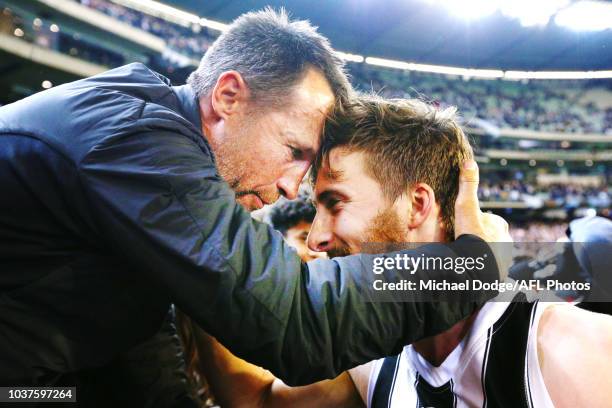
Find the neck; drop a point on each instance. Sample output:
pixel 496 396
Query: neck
pixel 435 349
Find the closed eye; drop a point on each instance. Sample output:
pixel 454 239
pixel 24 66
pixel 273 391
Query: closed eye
pixel 333 204
pixel 296 153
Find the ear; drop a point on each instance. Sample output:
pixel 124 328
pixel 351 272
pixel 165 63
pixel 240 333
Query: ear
pixel 422 200
pixel 230 94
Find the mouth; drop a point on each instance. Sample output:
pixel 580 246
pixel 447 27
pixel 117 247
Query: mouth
pixel 259 203
pixel 253 198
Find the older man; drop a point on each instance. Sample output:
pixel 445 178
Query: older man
pixel 117 200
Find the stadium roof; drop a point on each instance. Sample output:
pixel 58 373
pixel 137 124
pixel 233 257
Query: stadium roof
pixel 422 31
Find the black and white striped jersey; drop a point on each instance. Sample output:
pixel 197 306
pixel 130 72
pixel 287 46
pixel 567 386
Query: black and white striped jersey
pixel 495 365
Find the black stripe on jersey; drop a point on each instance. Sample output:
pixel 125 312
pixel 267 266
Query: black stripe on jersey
pixel 527 382
pixel 416 381
pixel 483 369
pixel 383 390
pixel 430 396
pixel 505 364
pixel 454 395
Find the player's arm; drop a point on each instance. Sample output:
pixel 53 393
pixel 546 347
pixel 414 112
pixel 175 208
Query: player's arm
pixel 237 383
pixel 157 201
pixel 575 356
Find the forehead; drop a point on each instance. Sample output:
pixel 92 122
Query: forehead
pixel 345 171
pixel 302 226
pixel 313 93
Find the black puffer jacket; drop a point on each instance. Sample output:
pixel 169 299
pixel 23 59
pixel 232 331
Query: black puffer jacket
pixel 111 208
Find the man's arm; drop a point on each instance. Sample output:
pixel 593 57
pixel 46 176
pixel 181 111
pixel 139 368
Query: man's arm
pixel 156 200
pixel 237 383
pixel 574 352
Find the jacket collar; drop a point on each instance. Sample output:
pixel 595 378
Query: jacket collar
pixel 189 105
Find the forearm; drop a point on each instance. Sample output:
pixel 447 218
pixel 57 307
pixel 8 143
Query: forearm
pixel 237 383
pixel 339 392
pixel 233 381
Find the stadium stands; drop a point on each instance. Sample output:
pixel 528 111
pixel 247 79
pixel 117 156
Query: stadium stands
pixel 521 129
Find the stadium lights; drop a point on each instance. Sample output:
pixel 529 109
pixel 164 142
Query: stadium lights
pixel 349 57
pixel 536 11
pixel 466 72
pixel 438 69
pixel 215 25
pixel 586 15
pixel 161 10
pixel 557 74
pixel 387 63
pixel 487 73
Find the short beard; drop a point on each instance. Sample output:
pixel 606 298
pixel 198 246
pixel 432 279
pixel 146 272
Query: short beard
pixel 387 227
pixel 386 233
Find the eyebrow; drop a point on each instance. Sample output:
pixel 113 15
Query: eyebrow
pixel 335 175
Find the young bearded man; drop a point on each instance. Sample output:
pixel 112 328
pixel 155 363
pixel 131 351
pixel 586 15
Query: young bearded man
pixel 389 173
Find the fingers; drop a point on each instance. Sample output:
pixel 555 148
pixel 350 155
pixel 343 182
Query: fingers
pixel 467 210
pixel 497 228
pixel 468 183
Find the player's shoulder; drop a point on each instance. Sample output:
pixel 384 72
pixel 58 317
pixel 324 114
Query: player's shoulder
pixel 580 324
pixel 574 355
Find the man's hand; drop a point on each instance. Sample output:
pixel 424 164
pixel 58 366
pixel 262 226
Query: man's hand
pixel 470 220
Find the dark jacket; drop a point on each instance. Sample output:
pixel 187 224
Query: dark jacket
pixel 111 208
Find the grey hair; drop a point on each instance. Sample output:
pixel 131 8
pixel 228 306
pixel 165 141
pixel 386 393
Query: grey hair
pixel 271 52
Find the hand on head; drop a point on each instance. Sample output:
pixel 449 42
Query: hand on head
pixel 469 219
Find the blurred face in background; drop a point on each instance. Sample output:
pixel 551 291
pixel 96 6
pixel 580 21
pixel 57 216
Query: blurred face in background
pixel 297 237
pixel 264 152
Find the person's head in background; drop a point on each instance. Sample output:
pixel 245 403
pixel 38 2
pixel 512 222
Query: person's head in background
pixel 265 87
pixel 294 219
pixel 387 171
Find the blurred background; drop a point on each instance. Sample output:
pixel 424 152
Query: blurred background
pixel 532 79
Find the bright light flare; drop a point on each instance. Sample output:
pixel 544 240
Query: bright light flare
pixel 586 15
pixel 532 13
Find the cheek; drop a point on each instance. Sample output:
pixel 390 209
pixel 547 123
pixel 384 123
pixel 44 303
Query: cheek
pixel 350 229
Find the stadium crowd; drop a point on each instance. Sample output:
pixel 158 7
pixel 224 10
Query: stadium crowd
pixel 538 105
pixel 556 195
pixel 192 41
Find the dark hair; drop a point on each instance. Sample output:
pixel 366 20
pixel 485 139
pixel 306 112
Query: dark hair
pixel 406 141
pixel 288 214
pixel 271 52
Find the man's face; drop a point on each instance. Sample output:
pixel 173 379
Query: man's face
pixel 351 208
pixel 265 153
pixel 297 236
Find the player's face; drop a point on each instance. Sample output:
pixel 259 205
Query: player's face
pixel 351 208
pixel 267 152
pixel 297 236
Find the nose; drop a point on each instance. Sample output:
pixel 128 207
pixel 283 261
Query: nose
pixel 288 184
pixel 320 237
